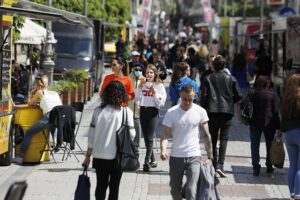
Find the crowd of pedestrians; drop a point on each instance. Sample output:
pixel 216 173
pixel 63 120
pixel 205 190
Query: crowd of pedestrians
pixel 205 93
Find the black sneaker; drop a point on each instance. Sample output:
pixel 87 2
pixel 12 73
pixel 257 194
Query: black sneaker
pixel 270 170
pixel 221 172
pixel 256 170
pixel 153 164
pixel 146 167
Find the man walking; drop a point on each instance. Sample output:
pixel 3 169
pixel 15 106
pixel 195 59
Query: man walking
pixel 183 121
pixel 220 91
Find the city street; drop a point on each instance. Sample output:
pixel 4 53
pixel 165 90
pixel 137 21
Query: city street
pixel 52 181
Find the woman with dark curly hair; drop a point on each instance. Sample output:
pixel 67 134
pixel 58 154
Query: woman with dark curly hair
pixel 120 73
pixel 106 120
pixel 291 126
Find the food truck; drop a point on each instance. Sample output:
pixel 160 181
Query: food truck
pixel 8 9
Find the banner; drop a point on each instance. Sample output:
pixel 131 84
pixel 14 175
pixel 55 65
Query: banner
pixel 147 4
pixel 276 2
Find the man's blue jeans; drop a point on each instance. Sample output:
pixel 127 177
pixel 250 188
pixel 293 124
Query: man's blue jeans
pixel 292 142
pixel 33 130
pixel 255 135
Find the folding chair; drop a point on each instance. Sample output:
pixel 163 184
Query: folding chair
pixel 61 117
pixel 78 107
pixel 16 191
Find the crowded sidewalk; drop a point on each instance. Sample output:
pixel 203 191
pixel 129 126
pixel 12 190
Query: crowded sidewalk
pixel 52 181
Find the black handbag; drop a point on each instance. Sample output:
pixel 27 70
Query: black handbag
pixel 127 157
pixel 82 191
pixel 247 109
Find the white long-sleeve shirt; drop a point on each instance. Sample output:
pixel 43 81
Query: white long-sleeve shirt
pixel 102 133
pixel 146 98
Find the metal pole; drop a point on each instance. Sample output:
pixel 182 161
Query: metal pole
pixel 261 15
pixel 245 9
pixel 48 64
pixel 85 7
pixel 225 8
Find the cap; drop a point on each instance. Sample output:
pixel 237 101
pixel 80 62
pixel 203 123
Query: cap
pixel 135 53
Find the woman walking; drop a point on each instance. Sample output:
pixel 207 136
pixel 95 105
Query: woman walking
pixel 178 80
pixel 265 119
pixel 151 94
pixel 106 120
pixel 120 73
pixel 291 126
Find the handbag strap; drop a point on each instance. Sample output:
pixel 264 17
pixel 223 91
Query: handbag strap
pixel 124 116
pixel 85 170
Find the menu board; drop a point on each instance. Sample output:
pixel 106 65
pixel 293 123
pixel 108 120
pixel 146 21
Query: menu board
pixel 5 70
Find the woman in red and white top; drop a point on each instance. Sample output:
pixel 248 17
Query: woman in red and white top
pixel 151 95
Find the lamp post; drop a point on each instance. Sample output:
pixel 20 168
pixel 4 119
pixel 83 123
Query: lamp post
pixel 48 64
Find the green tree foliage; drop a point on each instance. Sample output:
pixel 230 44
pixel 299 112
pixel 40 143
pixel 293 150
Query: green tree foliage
pixel 115 11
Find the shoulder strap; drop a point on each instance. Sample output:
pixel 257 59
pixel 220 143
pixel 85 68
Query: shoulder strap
pixel 124 116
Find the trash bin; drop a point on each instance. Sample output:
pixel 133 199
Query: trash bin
pixel 25 118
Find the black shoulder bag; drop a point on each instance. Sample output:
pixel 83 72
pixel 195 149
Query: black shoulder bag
pixel 127 159
pixel 247 108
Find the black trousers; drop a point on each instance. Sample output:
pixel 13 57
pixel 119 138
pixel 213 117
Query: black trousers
pixel 149 120
pixel 219 122
pixel 108 175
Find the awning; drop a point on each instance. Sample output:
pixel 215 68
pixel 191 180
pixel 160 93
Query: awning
pixel 38 11
pixel 33 33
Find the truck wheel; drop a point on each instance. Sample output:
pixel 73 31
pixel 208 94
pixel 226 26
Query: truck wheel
pixel 6 158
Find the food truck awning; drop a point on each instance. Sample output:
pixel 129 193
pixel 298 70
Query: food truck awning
pixel 39 11
pixel 33 33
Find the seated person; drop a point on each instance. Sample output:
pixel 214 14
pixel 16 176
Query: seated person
pixel 47 100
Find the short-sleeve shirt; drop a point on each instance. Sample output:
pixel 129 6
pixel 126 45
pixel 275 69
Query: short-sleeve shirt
pixel 125 80
pixel 185 129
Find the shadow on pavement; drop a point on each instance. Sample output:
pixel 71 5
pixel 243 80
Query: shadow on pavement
pixel 62 169
pixel 243 174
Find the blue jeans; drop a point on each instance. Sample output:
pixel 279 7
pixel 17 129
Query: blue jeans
pixel 292 142
pixel 255 135
pixel 33 130
pixel 178 166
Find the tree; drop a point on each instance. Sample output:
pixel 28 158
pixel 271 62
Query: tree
pixel 115 11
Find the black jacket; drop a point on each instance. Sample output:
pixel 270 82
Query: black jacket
pixel 265 109
pixel 63 117
pixel 220 92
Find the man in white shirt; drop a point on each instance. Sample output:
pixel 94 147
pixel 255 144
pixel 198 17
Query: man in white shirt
pixel 183 121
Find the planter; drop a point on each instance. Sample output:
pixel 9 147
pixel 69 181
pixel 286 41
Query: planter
pixel 66 97
pixel 90 89
pixel 81 93
pixel 74 95
pixel 86 90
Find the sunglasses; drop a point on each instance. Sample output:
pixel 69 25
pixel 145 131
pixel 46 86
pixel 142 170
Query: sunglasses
pixel 138 70
pixel 114 64
pixel 38 78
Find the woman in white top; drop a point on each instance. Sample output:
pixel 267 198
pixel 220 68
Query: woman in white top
pixel 151 95
pixel 106 120
pixel 48 99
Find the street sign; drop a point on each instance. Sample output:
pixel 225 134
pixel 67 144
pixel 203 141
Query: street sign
pixel 275 2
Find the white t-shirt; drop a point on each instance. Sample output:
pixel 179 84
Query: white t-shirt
pixel 49 100
pixel 144 96
pixel 102 133
pixel 185 129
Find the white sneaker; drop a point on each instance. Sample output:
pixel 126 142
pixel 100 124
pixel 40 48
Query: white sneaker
pixel 18 160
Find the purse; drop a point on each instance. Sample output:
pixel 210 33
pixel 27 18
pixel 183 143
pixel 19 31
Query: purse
pixel 127 157
pixel 277 154
pixel 82 191
pixel 247 109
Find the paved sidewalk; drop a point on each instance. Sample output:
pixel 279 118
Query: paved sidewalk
pixel 50 181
